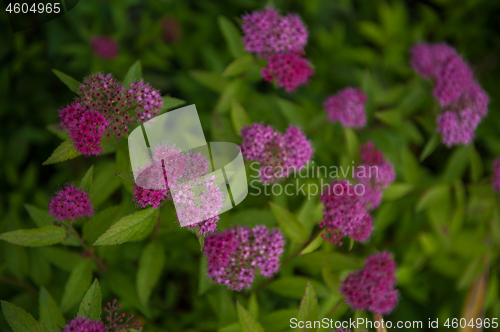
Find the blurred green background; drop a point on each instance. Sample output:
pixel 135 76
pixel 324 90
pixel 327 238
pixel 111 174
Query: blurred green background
pixel 441 219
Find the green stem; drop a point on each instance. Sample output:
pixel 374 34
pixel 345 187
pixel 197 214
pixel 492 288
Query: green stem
pixel 100 264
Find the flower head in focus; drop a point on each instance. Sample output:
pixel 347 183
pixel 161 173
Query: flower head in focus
pixel 70 203
pixel 80 324
pixel 289 70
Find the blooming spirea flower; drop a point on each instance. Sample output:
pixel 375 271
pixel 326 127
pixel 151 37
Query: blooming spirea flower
pixel 344 214
pixel 70 203
pixel 148 100
pixel 347 107
pixel 104 47
pixel 237 254
pixel 80 324
pixel 428 59
pixel 289 70
pixel 496 175
pixel 268 32
pixel 464 103
pixel 375 173
pixel 149 197
pixel 278 154
pixel 114 321
pixel 206 226
pixel 372 287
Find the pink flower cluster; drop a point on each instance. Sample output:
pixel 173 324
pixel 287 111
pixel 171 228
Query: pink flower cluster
pixel 375 173
pixel 206 226
pixel 235 255
pixel 289 70
pixel 103 110
pixel 347 107
pixel 104 47
pixel 281 40
pixel 70 203
pixel 344 214
pixel 278 154
pixel 372 287
pixel 80 324
pixel 84 127
pixel 496 175
pixel 115 321
pixel 464 103
pixel 149 197
pixel 269 32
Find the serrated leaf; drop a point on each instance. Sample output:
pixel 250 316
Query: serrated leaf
pixel 65 151
pixel 19 320
pixel 289 224
pixel 309 307
pixel 396 191
pixel 86 183
pixel 50 314
pixel 99 223
pixel 239 117
pixel 430 146
pixel 150 266
pixel 232 36
pixel 39 216
pixel 90 307
pixel 69 81
pixel 170 103
pixel 78 282
pixel 239 66
pixel 352 141
pixel 36 237
pixel 213 81
pixel 247 322
pixel 134 73
pixel 130 228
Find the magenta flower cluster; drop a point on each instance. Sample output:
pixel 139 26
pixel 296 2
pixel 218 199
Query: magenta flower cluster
pixel 80 324
pixel 496 175
pixel 375 173
pixel 280 40
pixel 347 107
pixel 104 110
pixel 149 197
pixel 70 203
pixel 278 154
pixel 344 214
pixel 206 226
pixel 372 287
pixel 237 254
pixel 464 103
pixel 104 47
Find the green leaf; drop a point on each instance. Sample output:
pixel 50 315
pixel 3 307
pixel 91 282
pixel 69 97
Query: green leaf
pixel 432 196
pixel 476 165
pixel 396 191
pixel 457 164
pixel 292 287
pixel 86 183
pixel 130 228
pixel 39 216
pixel 429 148
pixel 351 141
pixel 289 224
pixel 170 103
pixel 392 117
pixel 105 183
pixel 90 307
pixel 70 82
pixel 411 170
pixel 309 307
pixel 232 36
pixel 150 266
pixel 78 282
pixel 124 168
pixel 65 151
pixel 19 320
pixel 213 81
pixel 50 314
pixel 331 279
pixel 315 244
pixel 239 117
pixel 239 66
pixel 247 322
pixel 133 74
pixel 291 111
pixel 204 283
pixel 40 271
pixel 36 237
pixel 253 306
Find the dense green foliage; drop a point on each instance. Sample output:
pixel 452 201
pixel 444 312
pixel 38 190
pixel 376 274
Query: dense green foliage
pixel 441 219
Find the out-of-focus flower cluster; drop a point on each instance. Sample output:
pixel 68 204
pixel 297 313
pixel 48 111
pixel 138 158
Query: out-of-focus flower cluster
pixel 372 288
pixel 464 103
pixel 278 154
pixel 237 254
pixel 281 40
pixel 104 47
pixel 347 107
